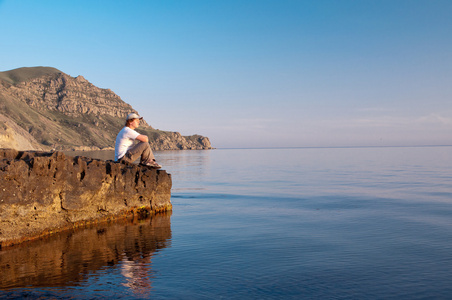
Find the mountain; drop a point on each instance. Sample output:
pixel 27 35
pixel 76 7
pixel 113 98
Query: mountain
pixel 42 108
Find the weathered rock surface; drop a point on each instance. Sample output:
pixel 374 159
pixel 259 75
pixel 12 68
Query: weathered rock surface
pixel 65 113
pixel 44 192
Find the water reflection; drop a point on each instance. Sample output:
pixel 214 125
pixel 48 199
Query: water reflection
pixel 68 258
pixel 137 274
pixel 184 166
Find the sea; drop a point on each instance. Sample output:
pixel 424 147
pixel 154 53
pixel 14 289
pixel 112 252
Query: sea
pixel 292 223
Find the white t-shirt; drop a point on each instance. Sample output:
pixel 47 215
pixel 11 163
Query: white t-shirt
pixel 124 141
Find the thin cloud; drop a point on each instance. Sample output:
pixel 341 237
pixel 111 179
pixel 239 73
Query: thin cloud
pixel 397 121
pixel 436 119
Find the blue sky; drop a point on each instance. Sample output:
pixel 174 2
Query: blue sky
pixel 245 73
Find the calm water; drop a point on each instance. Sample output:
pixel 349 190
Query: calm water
pixel 336 223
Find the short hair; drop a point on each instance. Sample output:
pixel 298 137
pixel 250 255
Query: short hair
pixel 129 121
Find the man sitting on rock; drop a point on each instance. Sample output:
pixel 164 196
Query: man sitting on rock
pixel 126 151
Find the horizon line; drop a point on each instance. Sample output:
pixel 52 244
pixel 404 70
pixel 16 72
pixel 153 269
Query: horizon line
pixel 325 147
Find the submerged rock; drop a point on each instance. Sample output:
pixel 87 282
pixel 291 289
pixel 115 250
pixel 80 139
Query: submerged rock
pixel 45 192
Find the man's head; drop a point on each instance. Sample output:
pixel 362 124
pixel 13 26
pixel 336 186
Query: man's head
pixel 131 118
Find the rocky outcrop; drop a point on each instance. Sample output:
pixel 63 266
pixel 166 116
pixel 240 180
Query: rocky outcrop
pixel 70 96
pixel 172 140
pixel 44 192
pixel 64 113
pixel 48 89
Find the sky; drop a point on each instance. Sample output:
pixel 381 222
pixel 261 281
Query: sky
pixel 254 73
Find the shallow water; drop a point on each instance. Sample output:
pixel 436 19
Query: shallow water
pixel 335 223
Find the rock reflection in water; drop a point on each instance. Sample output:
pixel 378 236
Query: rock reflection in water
pixel 67 258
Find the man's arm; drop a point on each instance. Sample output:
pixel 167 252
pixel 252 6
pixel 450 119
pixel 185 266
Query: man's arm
pixel 143 138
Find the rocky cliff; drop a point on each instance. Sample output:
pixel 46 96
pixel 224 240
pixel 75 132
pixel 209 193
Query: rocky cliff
pixel 57 111
pixel 43 192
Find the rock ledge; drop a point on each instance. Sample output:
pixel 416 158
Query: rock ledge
pixel 46 192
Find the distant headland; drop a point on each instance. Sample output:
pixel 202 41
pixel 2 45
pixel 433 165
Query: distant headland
pixel 42 108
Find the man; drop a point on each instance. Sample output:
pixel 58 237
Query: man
pixel 126 151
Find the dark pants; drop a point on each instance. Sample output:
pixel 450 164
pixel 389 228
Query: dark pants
pixel 142 150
